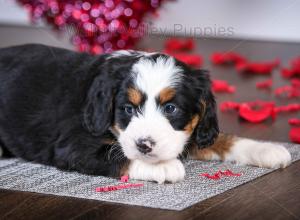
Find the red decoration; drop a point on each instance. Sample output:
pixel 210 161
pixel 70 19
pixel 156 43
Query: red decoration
pixel 222 86
pixel 289 91
pixel 226 58
pixel 294 69
pixel 118 187
pixel 217 175
pixel 176 44
pixel 257 67
pixel 194 60
pixel 257 111
pixel 294 121
pixel 96 26
pixel 295 134
pixel 254 112
pixel 287 108
pixel 124 179
pixel 267 84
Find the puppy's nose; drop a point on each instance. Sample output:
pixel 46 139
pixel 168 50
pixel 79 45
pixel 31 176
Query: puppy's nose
pixel 144 145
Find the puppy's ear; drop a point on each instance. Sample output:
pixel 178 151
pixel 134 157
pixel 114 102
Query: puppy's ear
pixel 98 110
pixel 207 129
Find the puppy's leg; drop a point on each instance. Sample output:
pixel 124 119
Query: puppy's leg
pixel 170 171
pixel 244 151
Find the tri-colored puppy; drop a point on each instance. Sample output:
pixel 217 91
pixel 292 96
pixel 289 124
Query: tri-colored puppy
pixel 126 112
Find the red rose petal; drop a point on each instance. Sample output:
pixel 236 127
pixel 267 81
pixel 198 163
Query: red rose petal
pixel 267 84
pixel 226 58
pixel 255 115
pixel 294 69
pixel 222 86
pixel 294 121
pixel 176 44
pixel 295 134
pixel 257 67
pixel 194 60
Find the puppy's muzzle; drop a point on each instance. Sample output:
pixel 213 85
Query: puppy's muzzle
pixel 145 145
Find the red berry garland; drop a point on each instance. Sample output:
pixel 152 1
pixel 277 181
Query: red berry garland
pixel 96 26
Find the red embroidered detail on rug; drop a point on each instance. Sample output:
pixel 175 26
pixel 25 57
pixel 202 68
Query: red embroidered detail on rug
pixel 217 175
pixel 118 187
pixel 124 179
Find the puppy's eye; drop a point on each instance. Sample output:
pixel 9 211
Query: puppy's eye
pixel 170 109
pixel 129 109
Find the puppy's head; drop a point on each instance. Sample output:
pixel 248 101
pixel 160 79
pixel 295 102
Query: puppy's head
pixel 156 107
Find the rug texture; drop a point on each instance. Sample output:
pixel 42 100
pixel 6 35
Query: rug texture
pixel 16 174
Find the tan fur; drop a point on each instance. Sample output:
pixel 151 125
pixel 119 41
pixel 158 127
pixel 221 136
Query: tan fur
pixel 221 146
pixel 116 129
pixel 189 128
pixel 166 95
pixel 134 96
pixel 124 170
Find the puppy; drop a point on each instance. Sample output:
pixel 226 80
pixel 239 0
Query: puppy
pixel 122 113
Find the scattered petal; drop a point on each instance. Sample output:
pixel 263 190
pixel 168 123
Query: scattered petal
pixel 176 44
pixel 222 86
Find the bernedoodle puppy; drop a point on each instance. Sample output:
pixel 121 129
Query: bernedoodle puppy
pixel 127 112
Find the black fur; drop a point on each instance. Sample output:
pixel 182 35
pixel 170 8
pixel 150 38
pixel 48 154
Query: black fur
pixel 57 107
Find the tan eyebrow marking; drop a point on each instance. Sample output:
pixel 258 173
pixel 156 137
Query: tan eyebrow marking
pixel 166 95
pixel 134 96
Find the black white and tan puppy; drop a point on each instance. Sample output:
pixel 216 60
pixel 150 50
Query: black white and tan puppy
pixel 127 112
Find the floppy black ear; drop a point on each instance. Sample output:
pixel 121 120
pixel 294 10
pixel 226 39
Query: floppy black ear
pixel 207 129
pixel 98 110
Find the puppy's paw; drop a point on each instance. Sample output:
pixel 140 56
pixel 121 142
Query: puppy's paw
pixel 260 154
pixel 170 171
pixel 272 156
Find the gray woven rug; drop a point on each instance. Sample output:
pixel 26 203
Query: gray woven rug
pixel 16 174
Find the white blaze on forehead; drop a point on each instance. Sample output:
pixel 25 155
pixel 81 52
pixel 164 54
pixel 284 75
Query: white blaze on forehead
pixel 152 77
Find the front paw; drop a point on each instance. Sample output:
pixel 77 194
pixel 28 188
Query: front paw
pixel 167 171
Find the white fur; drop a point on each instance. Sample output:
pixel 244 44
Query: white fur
pixel 120 53
pixel 171 171
pixel 151 78
pixel 269 155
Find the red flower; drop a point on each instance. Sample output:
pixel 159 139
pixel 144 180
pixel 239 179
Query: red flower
pixel 222 86
pixel 176 44
pixel 295 134
pixel 267 84
pixel 294 69
pixel 194 60
pixel 257 67
pixel 222 58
